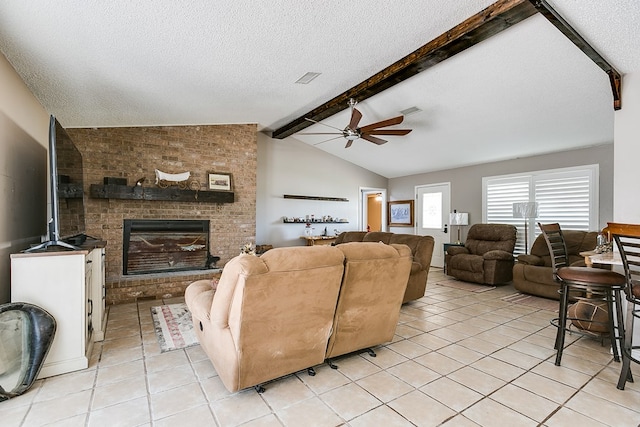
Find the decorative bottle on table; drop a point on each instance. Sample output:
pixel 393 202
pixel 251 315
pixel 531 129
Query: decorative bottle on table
pixel 307 230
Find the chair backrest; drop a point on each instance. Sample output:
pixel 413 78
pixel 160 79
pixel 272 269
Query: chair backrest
pixel 557 247
pixel 483 238
pixel 627 237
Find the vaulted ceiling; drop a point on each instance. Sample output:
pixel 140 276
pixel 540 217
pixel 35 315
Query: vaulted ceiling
pixel 527 90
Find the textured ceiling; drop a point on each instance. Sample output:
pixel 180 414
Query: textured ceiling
pixel 526 91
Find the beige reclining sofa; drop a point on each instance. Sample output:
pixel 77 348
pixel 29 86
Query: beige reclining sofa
pixel 292 308
pixel 421 252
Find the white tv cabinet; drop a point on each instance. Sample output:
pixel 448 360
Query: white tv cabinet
pixel 70 286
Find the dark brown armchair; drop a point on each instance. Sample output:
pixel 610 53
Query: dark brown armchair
pixel 486 257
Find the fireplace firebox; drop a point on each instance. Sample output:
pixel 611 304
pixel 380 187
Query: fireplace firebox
pixel 158 246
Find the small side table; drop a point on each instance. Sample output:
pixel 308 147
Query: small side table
pixel 319 240
pixel 446 246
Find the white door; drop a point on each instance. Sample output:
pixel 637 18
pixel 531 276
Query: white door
pixel 433 204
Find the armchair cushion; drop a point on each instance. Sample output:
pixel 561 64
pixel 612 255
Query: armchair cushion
pixel 530 259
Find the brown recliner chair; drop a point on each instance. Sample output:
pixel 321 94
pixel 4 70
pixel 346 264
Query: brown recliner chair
pixel 486 257
pixel 421 251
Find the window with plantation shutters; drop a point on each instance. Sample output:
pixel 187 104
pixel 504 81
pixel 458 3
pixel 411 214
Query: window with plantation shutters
pixel 567 196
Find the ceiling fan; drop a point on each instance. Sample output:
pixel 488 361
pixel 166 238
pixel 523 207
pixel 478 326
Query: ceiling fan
pixel 353 132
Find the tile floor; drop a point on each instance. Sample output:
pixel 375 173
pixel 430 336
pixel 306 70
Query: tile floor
pixel 459 358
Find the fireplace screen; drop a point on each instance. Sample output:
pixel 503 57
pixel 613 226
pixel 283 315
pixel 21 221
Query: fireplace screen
pixel 156 246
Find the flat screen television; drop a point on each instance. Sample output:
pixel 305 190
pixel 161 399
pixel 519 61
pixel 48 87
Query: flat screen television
pixel 67 219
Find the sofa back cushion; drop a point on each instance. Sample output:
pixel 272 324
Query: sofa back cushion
pixel 577 241
pixel 483 238
pixel 273 315
pixel 373 286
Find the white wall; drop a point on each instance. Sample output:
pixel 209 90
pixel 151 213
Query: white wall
pixel 292 167
pixel 626 200
pixel 22 115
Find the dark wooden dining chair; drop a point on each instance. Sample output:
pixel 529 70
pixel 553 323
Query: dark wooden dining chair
pixel 627 238
pixel 591 287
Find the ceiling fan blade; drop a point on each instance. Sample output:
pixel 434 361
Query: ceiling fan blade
pixel 349 142
pixel 388 132
pixel 319 123
pixel 320 133
pixel 389 122
pixel 355 118
pixel 373 139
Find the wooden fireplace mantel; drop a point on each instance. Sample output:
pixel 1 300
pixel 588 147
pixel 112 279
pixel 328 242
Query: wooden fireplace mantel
pixel 173 194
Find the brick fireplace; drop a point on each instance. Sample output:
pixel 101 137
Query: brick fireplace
pixel 134 153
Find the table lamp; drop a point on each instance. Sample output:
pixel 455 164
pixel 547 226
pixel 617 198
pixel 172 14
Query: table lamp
pixel 458 219
pixel 525 210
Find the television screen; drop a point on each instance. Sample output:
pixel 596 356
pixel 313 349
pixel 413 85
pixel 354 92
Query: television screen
pixel 71 213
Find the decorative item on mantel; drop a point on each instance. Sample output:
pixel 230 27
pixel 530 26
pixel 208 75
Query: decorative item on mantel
pixel 248 249
pixel 164 180
pixel 313 219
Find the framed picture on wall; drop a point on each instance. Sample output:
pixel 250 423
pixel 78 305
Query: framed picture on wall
pixel 219 181
pixel 400 213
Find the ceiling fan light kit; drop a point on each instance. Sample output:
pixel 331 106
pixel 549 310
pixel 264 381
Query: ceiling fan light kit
pixel 353 132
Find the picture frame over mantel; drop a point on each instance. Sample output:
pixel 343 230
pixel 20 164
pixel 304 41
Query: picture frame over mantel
pixel 400 213
pixel 219 181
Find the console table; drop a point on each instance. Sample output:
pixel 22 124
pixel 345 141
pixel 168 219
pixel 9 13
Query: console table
pixel 319 240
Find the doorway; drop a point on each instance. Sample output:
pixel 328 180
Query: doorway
pixel 433 204
pixel 373 215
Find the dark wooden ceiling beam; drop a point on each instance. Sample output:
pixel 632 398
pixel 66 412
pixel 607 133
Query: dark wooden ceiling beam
pixel 558 21
pixel 490 21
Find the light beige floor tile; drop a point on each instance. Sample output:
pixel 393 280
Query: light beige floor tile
pixel 380 416
pixel 266 421
pixel 421 410
pixel 450 335
pixel 608 391
pixel 131 413
pixel 198 416
pixel 567 417
pixel 384 386
pixel 54 410
pixel 448 392
pixel 285 392
pixel 214 389
pixel 413 373
pixel 132 330
pixel 602 410
pixel 204 369
pixel 165 361
pixel 77 421
pixel 62 385
pixel 539 352
pixel 407 331
pixel 545 387
pixel 123 371
pixel 160 381
pixel 430 341
pixel 350 401
pixel 561 374
pixel 325 379
pixel 196 353
pixel 408 348
pixel 239 408
pixel 385 357
pixel 581 365
pixel 311 412
pixel 525 402
pixel 476 380
pixel 176 400
pixel 596 354
pixel 460 353
pixel 118 392
pixel 498 368
pixel 115 357
pixel 439 363
pixel 121 343
pixel 356 367
pixel 460 421
pixel 13 416
pixel 480 345
pixel 488 413
pixel 516 358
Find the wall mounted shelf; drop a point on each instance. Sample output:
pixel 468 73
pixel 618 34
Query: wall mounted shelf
pixel 326 199
pixel 127 192
pixel 315 222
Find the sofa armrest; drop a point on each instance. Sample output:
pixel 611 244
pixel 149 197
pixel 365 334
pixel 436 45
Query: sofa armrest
pixel 528 259
pixel 498 255
pixel 456 250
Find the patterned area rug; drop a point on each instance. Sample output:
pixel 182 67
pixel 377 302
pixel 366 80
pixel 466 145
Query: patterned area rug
pixel 173 327
pixel 532 301
pixel 465 286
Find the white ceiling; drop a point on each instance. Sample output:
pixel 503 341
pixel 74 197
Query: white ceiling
pixel 526 91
